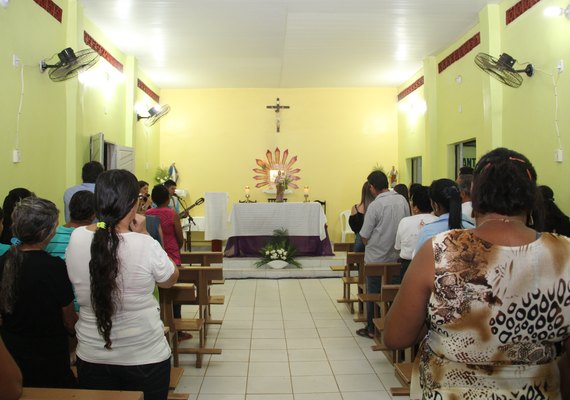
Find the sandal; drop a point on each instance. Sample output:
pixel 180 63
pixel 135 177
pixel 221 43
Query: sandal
pixel 364 333
pixel 184 336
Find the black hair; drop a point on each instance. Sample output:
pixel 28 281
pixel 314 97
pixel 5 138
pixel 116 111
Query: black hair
pixel 420 199
pixel 445 193
pixel 142 184
pixel 402 189
pixel 169 183
pixel 413 187
pixel 116 193
pixel 504 182
pixel 34 221
pixel 160 194
pixel 378 179
pixel 1 214
pixel 554 219
pixel 464 182
pixel 91 171
pixel 13 197
pixel 466 171
pixel 82 205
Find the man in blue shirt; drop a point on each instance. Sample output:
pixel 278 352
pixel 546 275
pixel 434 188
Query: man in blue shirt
pixel 89 174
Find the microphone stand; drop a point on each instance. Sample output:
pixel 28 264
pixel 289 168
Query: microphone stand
pixel 188 243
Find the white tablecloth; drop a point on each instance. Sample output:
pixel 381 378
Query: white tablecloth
pixel 261 219
pixel 216 216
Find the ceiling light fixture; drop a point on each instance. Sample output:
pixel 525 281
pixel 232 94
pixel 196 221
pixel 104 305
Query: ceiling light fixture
pixel 557 11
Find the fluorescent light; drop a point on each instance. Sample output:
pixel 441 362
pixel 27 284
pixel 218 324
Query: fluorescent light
pixel 553 11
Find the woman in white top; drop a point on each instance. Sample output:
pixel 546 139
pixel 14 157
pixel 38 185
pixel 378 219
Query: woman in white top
pixel 114 266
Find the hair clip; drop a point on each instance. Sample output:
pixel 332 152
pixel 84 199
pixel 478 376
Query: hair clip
pixel 101 225
pixel 15 241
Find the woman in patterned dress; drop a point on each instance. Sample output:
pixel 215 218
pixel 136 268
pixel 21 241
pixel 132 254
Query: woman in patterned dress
pixel 492 304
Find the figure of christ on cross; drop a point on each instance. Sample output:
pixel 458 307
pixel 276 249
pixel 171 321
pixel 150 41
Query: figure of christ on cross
pixel 277 107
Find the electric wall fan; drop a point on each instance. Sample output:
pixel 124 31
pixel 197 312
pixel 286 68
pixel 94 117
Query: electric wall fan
pixel 70 64
pixel 502 69
pixel 155 114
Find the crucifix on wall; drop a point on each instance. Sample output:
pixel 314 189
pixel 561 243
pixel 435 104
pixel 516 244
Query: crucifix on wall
pixel 277 107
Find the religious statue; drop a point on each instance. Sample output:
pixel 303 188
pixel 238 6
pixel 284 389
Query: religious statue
pixel 393 177
pixel 173 172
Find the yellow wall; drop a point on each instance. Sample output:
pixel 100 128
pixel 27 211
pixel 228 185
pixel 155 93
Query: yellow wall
pixel 58 118
pixel 492 113
pixel 528 112
pixel 339 135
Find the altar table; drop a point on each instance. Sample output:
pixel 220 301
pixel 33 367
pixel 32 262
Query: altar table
pixel 252 225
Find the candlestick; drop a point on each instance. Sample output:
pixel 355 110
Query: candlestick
pixel 306 190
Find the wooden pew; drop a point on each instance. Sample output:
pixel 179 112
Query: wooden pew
pixel 353 262
pixel 78 394
pixel 384 271
pixel 203 258
pixel 206 258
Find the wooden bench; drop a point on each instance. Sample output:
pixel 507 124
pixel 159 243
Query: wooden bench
pixel 353 263
pixel 403 372
pixel 203 258
pixel 78 394
pixel 384 271
pixel 203 278
pixel 183 293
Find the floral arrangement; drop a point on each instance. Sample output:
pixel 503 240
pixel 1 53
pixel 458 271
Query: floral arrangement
pixel 278 248
pixel 162 175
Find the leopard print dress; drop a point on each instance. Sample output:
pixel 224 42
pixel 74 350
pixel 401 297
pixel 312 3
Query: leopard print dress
pixel 498 316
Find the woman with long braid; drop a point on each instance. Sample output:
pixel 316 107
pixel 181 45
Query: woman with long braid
pixel 114 266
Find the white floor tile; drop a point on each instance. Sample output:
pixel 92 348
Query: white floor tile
pixel 286 339
pixel 268 355
pixel 268 344
pixel 268 334
pixel 308 368
pixel 378 395
pixel 221 397
pixel 314 384
pixel 307 355
pixel 223 385
pixel 318 396
pixel 268 385
pixel 359 383
pixel 227 368
pixel 351 367
pixel 306 343
pixel 259 369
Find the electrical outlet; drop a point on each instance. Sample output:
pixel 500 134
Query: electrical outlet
pixel 560 66
pixel 559 155
pixel 16 61
pixel 16 156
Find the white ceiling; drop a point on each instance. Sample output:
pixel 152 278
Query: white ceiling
pixel 282 43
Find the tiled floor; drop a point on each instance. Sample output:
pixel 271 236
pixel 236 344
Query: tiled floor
pixel 286 339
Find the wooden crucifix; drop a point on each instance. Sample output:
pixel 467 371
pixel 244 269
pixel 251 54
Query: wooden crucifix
pixel 277 107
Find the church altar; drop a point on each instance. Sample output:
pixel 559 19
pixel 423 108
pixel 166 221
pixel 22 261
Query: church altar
pixel 252 225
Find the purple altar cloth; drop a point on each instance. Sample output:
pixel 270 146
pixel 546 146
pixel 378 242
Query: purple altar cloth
pixel 250 246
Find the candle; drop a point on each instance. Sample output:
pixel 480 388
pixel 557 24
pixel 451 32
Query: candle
pixel 306 190
pixel 247 190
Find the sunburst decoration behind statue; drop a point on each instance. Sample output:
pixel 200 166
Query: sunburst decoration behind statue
pixel 276 162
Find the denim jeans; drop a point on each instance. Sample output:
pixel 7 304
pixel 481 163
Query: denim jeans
pixel 373 285
pixel 152 379
pixel 358 245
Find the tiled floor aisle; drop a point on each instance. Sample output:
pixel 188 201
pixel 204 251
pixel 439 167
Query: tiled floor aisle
pixel 283 340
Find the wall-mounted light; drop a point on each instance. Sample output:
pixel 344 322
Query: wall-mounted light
pixel 4 3
pixel 557 11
